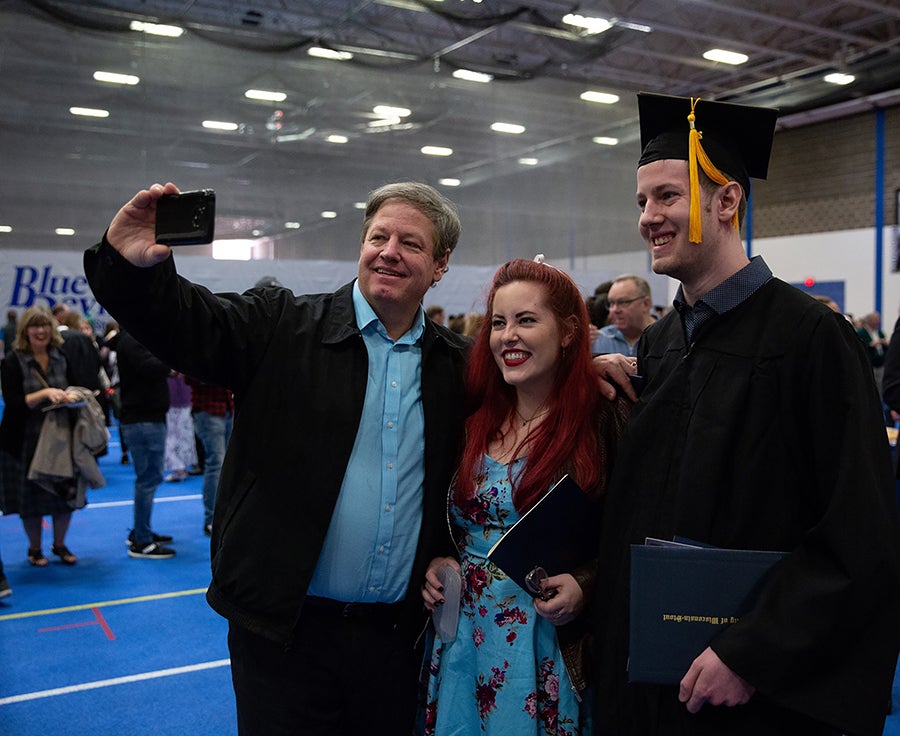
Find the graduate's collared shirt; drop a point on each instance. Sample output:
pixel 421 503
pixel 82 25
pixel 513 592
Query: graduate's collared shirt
pixel 732 292
pixel 368 552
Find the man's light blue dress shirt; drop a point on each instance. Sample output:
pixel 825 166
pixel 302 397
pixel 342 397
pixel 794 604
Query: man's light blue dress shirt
pixel 372 538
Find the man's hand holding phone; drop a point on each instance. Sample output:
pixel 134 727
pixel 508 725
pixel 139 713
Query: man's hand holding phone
pixel 133 230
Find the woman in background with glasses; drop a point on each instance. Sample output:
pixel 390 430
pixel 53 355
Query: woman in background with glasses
pixel 536 414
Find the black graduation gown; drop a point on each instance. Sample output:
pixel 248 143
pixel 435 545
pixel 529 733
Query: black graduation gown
pixel 766 433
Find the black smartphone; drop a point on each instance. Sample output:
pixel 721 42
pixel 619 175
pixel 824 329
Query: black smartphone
pixel 187 218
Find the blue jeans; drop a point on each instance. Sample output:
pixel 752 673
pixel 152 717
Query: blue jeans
pixel 213 432
pixel 147 445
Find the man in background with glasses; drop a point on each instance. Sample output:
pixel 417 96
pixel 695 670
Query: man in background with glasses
pixel 629 303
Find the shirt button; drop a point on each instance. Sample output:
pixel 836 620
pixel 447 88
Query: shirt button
pixel 387 507
pixel 393 384
pixel 381 549
pixel 390 425
pixel 372 588
pixel 390 466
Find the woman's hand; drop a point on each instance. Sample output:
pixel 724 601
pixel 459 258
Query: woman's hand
pixel 50 395
pixel 432 590
pixel 567 601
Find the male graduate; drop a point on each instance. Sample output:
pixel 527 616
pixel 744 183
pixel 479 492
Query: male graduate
pixel 758 427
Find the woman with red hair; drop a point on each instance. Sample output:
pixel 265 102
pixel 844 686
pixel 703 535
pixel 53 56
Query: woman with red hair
pixel 535 414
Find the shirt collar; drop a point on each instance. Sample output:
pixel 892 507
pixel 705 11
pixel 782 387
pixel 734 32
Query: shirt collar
pixel 367 319
pixel 733 291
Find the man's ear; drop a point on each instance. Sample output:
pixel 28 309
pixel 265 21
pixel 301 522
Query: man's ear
pixel 440 267
pixel 728 200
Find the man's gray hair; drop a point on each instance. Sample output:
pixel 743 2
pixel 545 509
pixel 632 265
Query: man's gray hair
pixel 431 203
pixel 642 286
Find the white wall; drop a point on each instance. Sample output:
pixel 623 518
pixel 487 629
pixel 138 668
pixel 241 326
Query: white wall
pixel 847 256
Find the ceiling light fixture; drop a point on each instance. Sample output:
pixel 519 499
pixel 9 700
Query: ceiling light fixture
pixel 604 98
pixel 219 125
pixel 64 231
pixel 839 78
pixel 512 128
pixel 527 161
pixel 292 225
pixel 640 27
pixel 384 122
pixel 321 53
pixel 470 76
pixel 604 140
pixel 265 95
pixel 5 228
pixel 155 29
pixel 588 23
pixel 387 111
pixel 436 151
pixel 359 205
pixel 329 214
pixel 726 57
pixel 337 139
pixel 449 182
pixel 114 78
pixel 89 112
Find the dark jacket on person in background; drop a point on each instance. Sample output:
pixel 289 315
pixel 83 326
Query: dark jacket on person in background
pixel 142 382
pixel 83 359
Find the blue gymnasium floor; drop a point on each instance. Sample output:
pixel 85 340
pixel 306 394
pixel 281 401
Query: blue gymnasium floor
pixel 114 645
pixel 117 646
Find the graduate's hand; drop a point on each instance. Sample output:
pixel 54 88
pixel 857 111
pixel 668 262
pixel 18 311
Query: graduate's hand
pixel 133 230
pixel 709 680
pixel 613 370
pixel 432 590
pixel 566 603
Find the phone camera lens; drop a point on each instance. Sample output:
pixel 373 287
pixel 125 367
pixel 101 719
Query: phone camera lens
pixel 199 211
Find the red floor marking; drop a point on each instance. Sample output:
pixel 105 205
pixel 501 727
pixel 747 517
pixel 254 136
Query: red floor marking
pixel 100 621
pixel 67 626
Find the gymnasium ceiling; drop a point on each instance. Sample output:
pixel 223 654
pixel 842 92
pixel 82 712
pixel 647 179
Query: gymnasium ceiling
pixel 278 165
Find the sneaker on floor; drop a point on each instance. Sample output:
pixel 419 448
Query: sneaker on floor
pixel 158 538
pixel 152 551
pixel 5 590
pixel 176 476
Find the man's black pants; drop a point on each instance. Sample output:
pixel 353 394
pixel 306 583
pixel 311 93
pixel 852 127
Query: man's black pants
pixel 352 669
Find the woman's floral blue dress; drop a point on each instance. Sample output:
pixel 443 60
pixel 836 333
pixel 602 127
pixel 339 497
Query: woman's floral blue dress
pixel 504 673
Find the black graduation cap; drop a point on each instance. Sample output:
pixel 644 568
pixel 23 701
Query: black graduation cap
pixel 730 142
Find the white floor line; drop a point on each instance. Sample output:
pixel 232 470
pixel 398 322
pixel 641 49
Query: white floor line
pixel 114 681
pixel 156 499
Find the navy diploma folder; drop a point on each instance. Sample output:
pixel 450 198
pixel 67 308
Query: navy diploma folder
pixel 681 597
pixel 559 533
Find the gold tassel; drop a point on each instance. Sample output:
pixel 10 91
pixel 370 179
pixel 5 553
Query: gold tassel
pixel 696 155
pixel 696 228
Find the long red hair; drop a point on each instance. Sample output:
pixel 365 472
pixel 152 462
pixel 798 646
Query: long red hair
pixel 566 441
